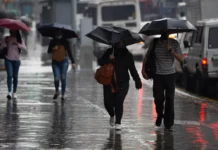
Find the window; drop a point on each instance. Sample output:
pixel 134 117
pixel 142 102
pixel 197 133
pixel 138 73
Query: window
pixel 188 36
pixel 149 11
pixel 199 34
pixel 115 13
pixel 212 40
pixel 91 12
pixel 81 7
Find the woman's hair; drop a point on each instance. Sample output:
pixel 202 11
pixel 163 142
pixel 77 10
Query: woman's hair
pixel 18 36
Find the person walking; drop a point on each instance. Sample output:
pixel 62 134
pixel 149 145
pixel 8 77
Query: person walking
pixel 166 50
pixel 123 62
pixel 14 45
pixel 59 48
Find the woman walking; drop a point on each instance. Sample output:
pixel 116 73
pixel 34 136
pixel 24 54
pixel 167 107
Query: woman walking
pixel 59 48
pixel 14 45
pixel 123 62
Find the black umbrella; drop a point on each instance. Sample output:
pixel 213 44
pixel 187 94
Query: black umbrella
pixel 112 35
pixel 49 30
pixel 168 25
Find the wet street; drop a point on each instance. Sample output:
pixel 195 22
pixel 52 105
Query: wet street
pixel 35 122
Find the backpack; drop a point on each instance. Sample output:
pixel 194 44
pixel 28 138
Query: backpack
pixel 3 52
pixel 150 64
pixel 58 53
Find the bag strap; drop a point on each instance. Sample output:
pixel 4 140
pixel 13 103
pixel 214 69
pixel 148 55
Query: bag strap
pixel 114 89
pixel 6 48
pixel 154 44
pixel 150 49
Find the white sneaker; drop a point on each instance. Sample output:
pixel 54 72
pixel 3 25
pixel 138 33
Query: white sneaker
pixel 14 96
pixel 118 127
pixel 63 97
pixel 9 95
pixel 111 121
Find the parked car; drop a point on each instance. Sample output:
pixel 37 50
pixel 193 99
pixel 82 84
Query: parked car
pixel 187 36
pixel 202 61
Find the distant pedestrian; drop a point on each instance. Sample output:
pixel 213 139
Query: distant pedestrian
pixel 27 21
pixel 59 47
pixel 165 51
pixel 37 33
pixel 114 95
pixel 14 45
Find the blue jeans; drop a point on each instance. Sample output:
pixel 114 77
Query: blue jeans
pixel 12 68
pixel 60 72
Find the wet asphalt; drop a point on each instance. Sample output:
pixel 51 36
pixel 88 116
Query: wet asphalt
pixel 35 121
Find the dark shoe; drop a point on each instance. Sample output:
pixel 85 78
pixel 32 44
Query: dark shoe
pixel 158 121
pixel 56 95
pixel 9 96
pixel 168 128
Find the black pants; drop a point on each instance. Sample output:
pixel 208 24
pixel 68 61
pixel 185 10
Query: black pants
pixel 113 102
pixel 164 91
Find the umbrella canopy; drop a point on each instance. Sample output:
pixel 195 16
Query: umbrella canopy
pixel 168 25
pixel 49 30
pixel 13 24
pixel 112 35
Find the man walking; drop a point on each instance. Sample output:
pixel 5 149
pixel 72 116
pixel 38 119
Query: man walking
pixel 166 51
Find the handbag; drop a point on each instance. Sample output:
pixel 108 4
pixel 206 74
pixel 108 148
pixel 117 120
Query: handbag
pixel 150 64
pixel 104 74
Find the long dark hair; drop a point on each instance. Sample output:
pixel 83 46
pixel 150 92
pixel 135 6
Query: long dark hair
pixel 18 37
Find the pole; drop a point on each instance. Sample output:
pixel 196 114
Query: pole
pixel 73 24
pixel 74 12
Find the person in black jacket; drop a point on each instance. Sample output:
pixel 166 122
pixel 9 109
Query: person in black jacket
pixel 59 47
pixel 123 62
